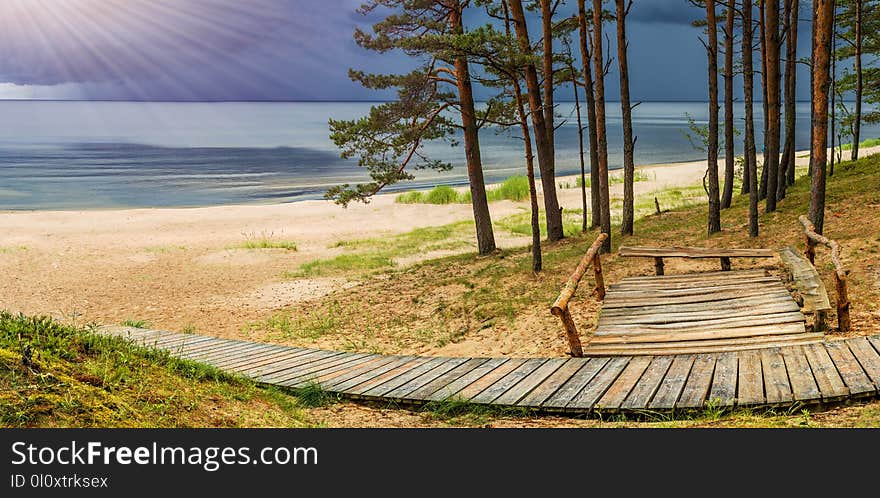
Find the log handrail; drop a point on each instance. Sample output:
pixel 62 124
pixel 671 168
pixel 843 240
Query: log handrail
pixel 844 323
pixel 560 306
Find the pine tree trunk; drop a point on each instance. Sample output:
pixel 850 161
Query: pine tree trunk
pixel 812 100
pixel 748 89
pixel 786 166
pixel 729 155
pixel 585 42
pixel 577 108
pixel 482 217
pixel 714 201
pixel 626 226
pixel 762 12
pixel 545 153
pixel 547 62
pixel 602 138
pixel 857 125
pixel 833 120
pixel 771 157
pixel 821 82
pixel 791 93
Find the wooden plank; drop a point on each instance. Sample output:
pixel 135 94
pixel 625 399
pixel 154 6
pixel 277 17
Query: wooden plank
pixel 640 291
pixel 777 388
pixel 692 252
pixel 312 370
pixel 380 390
pixel 750 390
pixel 235 360
pixel 529 383
pixel 720 322
pixel 637 335
pixel 625 382
pixel 271 370
pixel 669 309
pixel 867 356
pixel 850 370
pixel 479 385
pixel 376 380
pixel 669 391
pixel 592 392
pixel 218 357
pixel 445 379
pixel 629 302
pixel 449 390
pixel 403 391
pixel 714 345
pixel 723 391
pixel 552 383
pixel 508 383
pixel 211 347
pixel 332 372
pixel 827 377
pixel 803 384
pixel 698 383
pixel 567 392
pixel 806 280
pixel 664 284
pixel 704 276
pixel 330 384
pixel 342 385
pixel 695 316
pixel 648 385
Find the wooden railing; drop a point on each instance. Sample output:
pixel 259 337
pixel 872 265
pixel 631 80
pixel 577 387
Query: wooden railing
pixel 844 323
pixel 560 306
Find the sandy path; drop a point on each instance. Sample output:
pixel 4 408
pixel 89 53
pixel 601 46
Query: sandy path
pixel 177 267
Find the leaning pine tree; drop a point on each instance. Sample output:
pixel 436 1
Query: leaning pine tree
pixel 389 141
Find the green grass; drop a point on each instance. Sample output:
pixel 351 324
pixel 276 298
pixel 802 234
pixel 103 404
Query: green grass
pixel 164 249
pixel 514 188
pixel 138 324
pixel 871 142
pixel 313 325
pixel 56 375
pixel 267 244
pixel 12 249
pixel 344 263
pixel 456 411
pixel 638 176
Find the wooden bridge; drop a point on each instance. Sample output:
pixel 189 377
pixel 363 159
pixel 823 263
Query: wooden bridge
pixel 663 343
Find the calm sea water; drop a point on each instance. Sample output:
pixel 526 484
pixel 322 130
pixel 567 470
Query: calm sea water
pixel 81 155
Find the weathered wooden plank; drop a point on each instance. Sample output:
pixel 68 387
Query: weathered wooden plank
pixel 669 391
pixel 827 377
pixel 312 370
pixel 850 370
pixel 777 388
pixel 697 316
pixel 750 390
pixel 382 389
pixel 703 346
pixel 631 290
pixel 271 370
pixel 867 356
pixel 530 382
pixel 636 335
pixel 342 384
pixel 625 382
pixel 683 309
pixel 627 284
pixel 552 383
pixel 378 379
pixel 648 385
pixel 693 252
pixel 334 380
pixel 592 392
pixel 446 379
pixel 211 347
pixel 238 359
pixel 332 372
pixel 701 276
pixel 404 390
pixel 723 391
pixel 720 322
pixel 566 393
pixel 218 357
pixel 698 383
pixel 450 390
pixel 509 382
pixel 806 280
pixel 803 384
pixel 479 385
pixel 630 302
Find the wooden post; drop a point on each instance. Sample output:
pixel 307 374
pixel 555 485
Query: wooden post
pixel 844 323
pixel 819 321
pixel 658 266
pixel 810 253
pixel 725 264
pixel 600 280
pixel 571 333
pixel 657 205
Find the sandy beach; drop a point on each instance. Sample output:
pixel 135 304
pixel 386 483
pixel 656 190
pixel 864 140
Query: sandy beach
pixel 181 268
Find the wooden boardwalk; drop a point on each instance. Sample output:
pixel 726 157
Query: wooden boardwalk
pixel 711 312
pixel 821 372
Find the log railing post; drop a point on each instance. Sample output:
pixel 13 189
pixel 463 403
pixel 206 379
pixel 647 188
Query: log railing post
pixel 658 266
pixel 560 306
pixel 725 264
pixel 844 322
pixel 600 280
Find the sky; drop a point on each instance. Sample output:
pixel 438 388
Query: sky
pixel 208 50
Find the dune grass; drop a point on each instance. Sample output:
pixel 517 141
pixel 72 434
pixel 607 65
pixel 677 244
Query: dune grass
pixel 871 142
pixel 514 188
pixel 613 179
pixel 56 375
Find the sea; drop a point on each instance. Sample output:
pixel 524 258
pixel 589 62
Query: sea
pixel 69 155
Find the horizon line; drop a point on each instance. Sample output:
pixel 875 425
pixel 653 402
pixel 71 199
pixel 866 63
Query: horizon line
pixel 306 101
